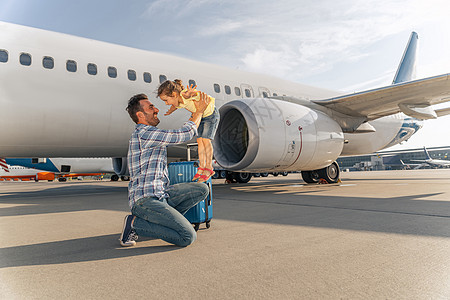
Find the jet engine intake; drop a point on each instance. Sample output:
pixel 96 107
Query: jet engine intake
pixel 267 134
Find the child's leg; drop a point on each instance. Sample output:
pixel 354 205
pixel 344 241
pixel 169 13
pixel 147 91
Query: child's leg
pixel 201 152
pixel 208 171
pixel 208 153
pixel 201 158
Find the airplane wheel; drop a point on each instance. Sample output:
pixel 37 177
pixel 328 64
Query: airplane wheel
pixel 125 178
pixel 216 175
pixel 242 177
pixel 114 177
pixel 284 173
pixel 330 173
pixel 264 174
pixel 275 174
pixel 222 174
pixel 310 176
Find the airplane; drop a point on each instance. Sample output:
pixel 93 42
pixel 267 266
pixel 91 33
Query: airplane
pixel 432 162
pixel 69 167
pixel 64 96
pixel 16 173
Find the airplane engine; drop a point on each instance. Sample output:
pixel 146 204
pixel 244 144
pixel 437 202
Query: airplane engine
pixel 120 166
pixel 267 134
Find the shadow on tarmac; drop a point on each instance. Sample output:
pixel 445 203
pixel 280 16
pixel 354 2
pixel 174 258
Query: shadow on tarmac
pixel 282 203
pixel 96 248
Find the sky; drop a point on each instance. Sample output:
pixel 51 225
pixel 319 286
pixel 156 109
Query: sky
pixel 345 45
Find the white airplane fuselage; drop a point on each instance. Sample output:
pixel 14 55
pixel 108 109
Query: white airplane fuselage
pixel 53 112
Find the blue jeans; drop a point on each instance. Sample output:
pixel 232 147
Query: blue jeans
pixel 164 220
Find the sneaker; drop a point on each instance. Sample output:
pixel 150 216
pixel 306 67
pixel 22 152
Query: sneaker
pixel 128 236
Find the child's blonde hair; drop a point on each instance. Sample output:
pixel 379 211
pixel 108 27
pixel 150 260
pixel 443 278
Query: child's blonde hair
pixel 168 87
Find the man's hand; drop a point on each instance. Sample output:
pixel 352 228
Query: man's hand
pixel 203 103
pixel 200 106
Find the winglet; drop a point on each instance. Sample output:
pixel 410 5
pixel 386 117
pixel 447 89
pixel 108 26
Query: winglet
pixel 407 69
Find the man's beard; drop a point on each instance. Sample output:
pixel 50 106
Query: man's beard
pixel 152 120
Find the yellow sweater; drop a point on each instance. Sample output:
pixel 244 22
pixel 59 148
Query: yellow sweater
pixel 189 104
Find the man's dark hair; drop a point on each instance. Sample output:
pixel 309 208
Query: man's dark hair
pixel 134 106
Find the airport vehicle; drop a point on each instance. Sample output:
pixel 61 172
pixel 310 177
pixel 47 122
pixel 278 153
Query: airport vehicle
pixel 436 163
pixel 64 96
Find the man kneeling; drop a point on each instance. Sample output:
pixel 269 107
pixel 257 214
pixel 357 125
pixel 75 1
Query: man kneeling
pixel 157 208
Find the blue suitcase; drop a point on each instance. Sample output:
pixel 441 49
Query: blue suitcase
pixel 183 172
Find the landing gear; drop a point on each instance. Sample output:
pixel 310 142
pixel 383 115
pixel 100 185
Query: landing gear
pixel 330 174
pixel 114 177
pixel 310 176
pixel 232 177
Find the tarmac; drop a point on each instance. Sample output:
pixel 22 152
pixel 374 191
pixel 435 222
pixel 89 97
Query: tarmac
pixel 376 235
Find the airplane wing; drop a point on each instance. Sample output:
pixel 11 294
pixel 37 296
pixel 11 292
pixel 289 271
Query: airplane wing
pixel 414 98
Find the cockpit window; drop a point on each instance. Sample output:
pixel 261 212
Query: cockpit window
pixel 3 56
pixel 25 59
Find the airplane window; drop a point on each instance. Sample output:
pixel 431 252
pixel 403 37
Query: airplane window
pixel 25 59
pixel 265 95
pixel 192 82
pixel 237 91
pixel 3 56
pixel 48 62
pixel 92 69
pixel 132 75
pixel 216 88
pixel 147 77
pixel 112 72
pixel 227 90
pixel 71 66
pixel 247 93
pixel 162 78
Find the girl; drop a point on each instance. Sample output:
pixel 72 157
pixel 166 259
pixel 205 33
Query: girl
pixel 173 93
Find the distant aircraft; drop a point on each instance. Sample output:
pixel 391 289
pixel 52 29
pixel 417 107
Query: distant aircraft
pixel 69 167
pixel 64 96
pixel 433 162
pixel 21 173
pixel 414 166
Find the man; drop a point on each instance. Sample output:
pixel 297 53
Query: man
pixel 157 208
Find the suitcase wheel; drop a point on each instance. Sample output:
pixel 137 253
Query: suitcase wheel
pixel 208 224
pixel 196 226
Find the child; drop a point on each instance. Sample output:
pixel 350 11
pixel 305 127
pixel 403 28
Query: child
pixel 174 94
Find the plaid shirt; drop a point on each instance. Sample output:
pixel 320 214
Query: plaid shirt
pixel 147 159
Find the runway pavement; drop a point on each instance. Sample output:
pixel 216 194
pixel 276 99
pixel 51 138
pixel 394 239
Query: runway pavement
pixel 377 235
